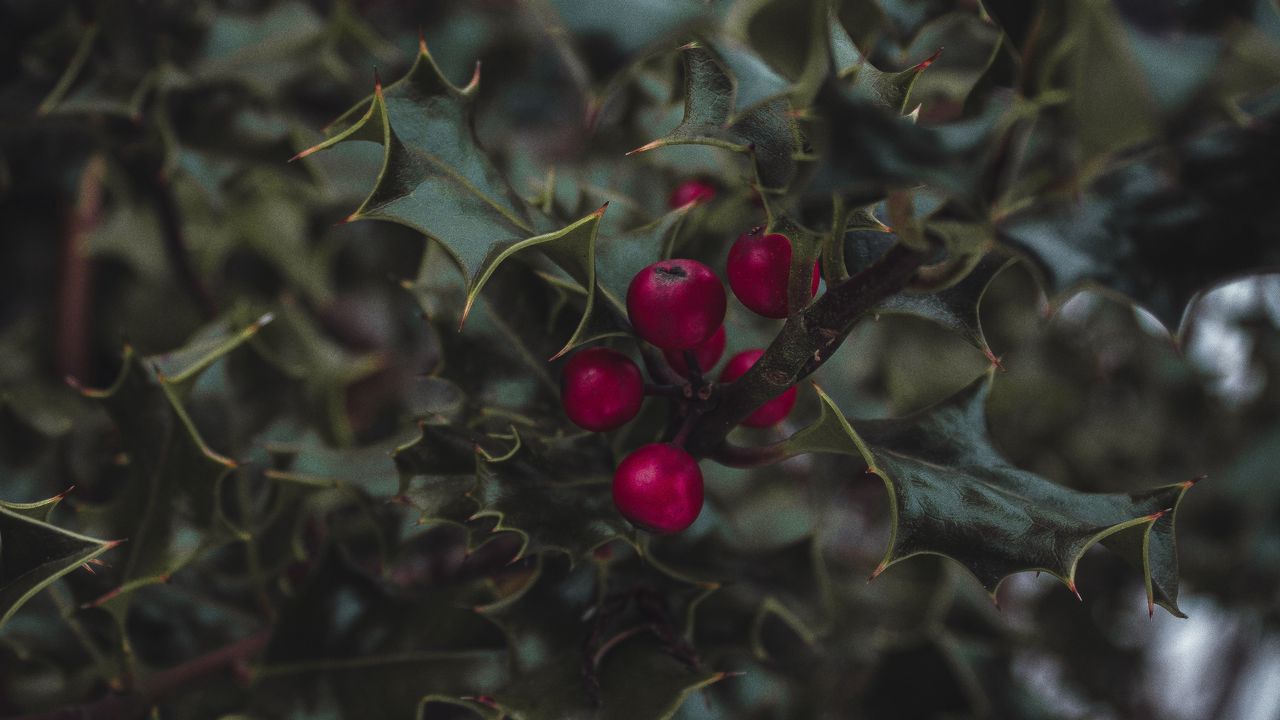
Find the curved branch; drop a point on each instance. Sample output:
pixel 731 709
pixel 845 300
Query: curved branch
pixel 163 684
pixel 807 340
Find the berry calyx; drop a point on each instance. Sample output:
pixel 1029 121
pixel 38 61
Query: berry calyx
pixel 676 304
pixel 758 270
pixel 708 353
pixel 772 412
pixel 601 389
pixel 692 190
pixel 658 487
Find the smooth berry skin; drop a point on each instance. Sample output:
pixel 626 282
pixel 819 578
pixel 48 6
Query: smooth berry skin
pixel 769 414
pixel 601 389
pixel 758 270
pixel 692 190
pixel 707 354
pixel 676 304
pixel 658 487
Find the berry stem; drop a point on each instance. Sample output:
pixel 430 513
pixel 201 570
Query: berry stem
pixel 671 391
pixel 690 422
pixel 656 365
pixel 806 341
pixel 695 372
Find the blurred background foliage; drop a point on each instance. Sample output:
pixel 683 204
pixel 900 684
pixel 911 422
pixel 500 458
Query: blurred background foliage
pixel 261 360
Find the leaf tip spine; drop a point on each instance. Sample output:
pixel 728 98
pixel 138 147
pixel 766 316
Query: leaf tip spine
pixel 924 64
pixel 1071 585
pixel 994 359
pixel 644 148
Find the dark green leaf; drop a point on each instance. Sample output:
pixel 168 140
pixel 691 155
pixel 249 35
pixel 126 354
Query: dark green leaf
pixel 954 308
pixel 535 494
pixel 173 475
pixel 952 494
pixel 34 553
pixel 331 644
pixel 891 91
pixel 1161 236
pixel 768 132
pixel 880 150
pixel 435 178
pixel 631 674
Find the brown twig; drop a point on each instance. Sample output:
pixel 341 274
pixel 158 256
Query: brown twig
pixel 806 341
pixel 163 684
pixel 75 281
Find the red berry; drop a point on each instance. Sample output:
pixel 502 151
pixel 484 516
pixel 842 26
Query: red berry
pixel 759 266
pixel 676 304
pixel 770 413
pixel 707 354
pixel 692 190
pixel 601 389
pixel 659 488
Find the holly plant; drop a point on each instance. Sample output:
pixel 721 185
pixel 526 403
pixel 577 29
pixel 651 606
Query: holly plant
pixel 596 379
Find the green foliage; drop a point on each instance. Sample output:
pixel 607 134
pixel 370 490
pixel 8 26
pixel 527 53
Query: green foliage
pixel 328 460
pixel 36 553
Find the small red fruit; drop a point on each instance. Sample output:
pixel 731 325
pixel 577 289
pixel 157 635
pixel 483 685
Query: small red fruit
pixel 676 304
pixel 601 389
pixel 707 354
pixel 769 414
pixel 659 488
pixel 758 270
pixel 692 190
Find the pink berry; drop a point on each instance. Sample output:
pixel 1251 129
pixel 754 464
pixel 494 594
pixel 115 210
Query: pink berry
pixel 769 414
pixel 601 389
pixel 692 190
pixel 659 488
pixel 758 270
pixel 676 304
pixel 708 353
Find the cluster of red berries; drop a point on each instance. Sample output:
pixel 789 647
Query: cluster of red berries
pixel 679 307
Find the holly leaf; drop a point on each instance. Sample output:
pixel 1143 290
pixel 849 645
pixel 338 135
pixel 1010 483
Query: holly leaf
pixel 554 501
pixel 755 84
pixel 611 33
pixel 955 308
pixel 888 90
pixel 1159 236
pixel 622 255
pixel 296 345
pixel 34 553
pixel 435 177
pixel 39 510
pixel 767 132
pixel 952 494
pixel 573 249
pixel 870 150
pixel 558 663
pixel 331 645
pixel 170 466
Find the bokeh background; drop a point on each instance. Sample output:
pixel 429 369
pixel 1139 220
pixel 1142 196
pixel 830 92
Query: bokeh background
pixel 146 196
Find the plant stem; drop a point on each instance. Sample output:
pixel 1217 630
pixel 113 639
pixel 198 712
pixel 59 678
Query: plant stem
pixel 671 391
pixel 163 684
pixel 75 281
pixel 657 365
pixel 806 341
